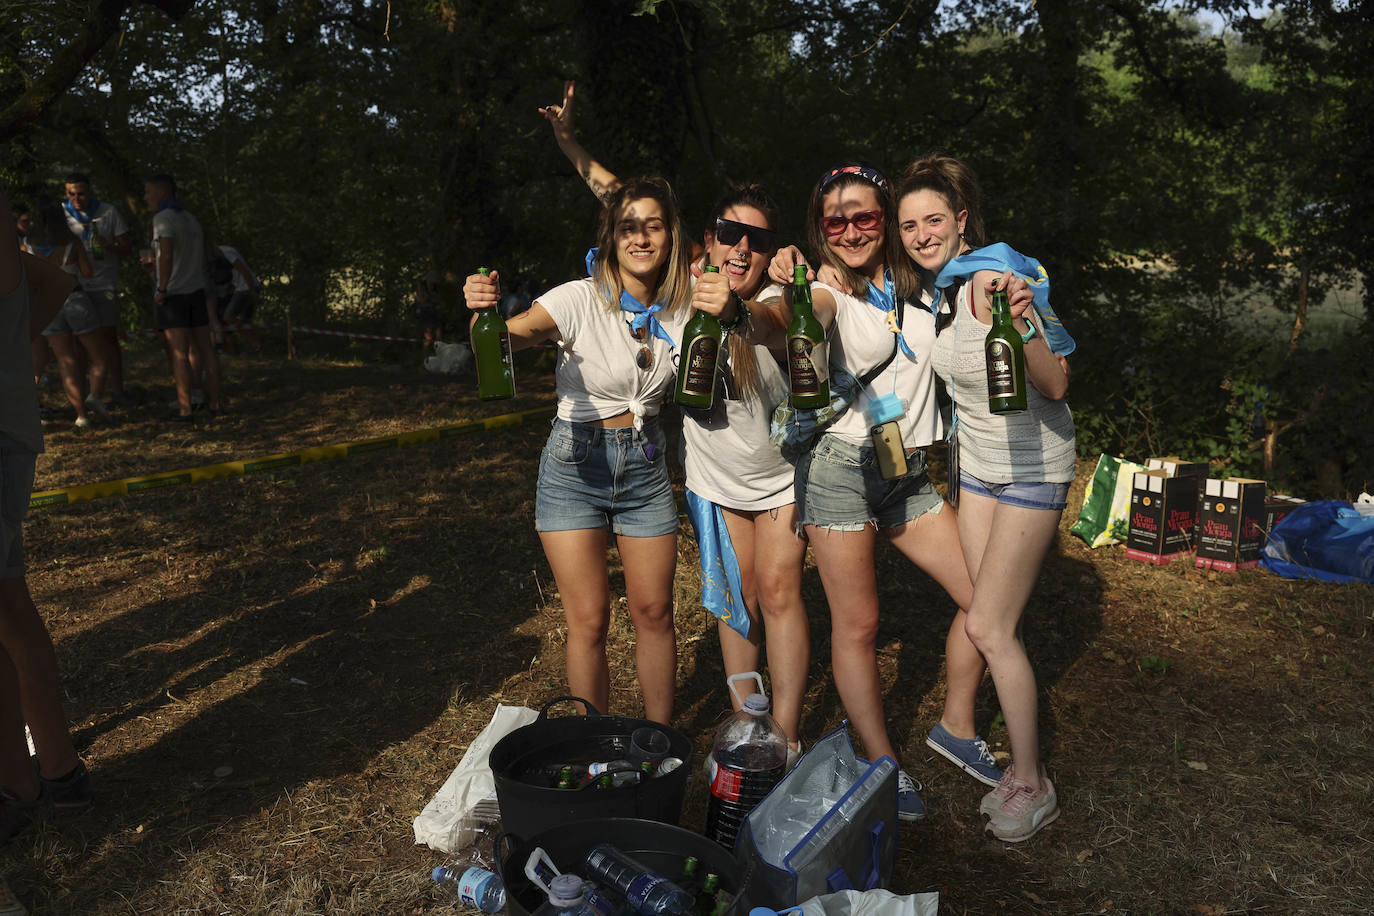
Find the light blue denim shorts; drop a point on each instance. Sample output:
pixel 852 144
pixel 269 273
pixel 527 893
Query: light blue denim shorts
pixel 16 486
pixel 839 486
pixel 1052 497
pixel 591 477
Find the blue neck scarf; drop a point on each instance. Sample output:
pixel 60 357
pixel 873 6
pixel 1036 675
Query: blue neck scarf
pixel 643 314
pixel 885 300
pixel 999 257
pixel 43 250
pixel 169 203
pixel 83 217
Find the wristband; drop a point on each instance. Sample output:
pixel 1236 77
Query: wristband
pixel 741 313
pixel 1026 337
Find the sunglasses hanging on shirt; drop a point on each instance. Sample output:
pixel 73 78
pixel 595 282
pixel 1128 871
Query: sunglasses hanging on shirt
pixel 644 359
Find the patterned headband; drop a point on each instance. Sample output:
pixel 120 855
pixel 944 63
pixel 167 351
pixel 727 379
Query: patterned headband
pixel 862 171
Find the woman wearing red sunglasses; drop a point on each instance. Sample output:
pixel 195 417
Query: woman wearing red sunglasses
pixel 866 473
pixel 739 487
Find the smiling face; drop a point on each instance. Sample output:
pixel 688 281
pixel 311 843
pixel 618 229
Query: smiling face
pixel 79 193
pixel 642 240
pixel 930 229
pixel 742 263
pixel 860 249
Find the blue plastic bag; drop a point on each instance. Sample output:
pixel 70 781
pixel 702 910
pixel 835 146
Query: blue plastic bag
pixel 1327 540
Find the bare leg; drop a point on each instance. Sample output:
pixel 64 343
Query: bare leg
pixel 179 348
pixel 578 559
pixel 29 648
pixel 114 360
pixel 65 348
pixel 777 559
pixel 97 357
pixel 209 362
pixel 16 772
pixel 649 565
pixel 741 655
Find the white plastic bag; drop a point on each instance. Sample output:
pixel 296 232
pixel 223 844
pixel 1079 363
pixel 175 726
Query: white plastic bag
pixel 876 902
pixel 451 819
pixel 450 358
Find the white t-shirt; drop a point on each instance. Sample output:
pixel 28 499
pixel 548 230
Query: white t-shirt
pixel 859 340
pixel 188 250
pixel 233 257
pixel 108 223
pixel 1036 445
pixel 729 459
pixel 597 376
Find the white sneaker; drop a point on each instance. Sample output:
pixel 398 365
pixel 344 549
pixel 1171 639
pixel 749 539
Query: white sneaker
pixel 1023 812
pixel 83 423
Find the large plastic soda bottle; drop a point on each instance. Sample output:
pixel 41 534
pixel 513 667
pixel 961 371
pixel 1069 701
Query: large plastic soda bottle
pixel 565 898
pixel 473 885
pixel 749 758
pixel 648 892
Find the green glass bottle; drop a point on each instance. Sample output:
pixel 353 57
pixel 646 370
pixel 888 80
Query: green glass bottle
pixel 1006 359
pixel 97 248
pixel 491 348
pixel 808 366
pixel 706 900
pixel 696 368
pixel 566 780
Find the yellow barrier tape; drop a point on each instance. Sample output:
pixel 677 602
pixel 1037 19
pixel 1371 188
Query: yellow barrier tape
pixel 66 496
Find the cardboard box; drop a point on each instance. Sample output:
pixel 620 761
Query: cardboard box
pixel 1230 529
pixel 1276 507
pixel 1163 514
pixel 1177 467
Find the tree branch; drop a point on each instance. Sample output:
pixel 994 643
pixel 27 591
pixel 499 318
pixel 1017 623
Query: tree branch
pixel 100 26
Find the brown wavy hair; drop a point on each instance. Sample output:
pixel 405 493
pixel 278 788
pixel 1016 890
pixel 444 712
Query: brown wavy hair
pixel 905 279
pixel 953 180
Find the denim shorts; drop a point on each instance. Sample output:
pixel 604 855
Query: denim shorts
pixel 839 486
pixel 77 316
pixel 1052 497
pixel 591 477
pixel 16 485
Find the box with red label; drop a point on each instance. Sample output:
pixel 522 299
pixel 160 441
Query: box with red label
pixel 1276 507
pixel 1163 512
pixel 1229 524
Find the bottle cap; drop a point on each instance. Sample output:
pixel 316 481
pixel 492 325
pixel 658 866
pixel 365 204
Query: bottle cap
pixel 565 890
pixel 438 873
pixel 756 704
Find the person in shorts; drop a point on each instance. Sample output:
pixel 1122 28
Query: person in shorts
pixel 31 292
pixel 104 235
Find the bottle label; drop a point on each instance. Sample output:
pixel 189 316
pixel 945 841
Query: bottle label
pixel 808 364
pixel 1001 370
pixel 507 356
pixel 699 365
pixel 473 885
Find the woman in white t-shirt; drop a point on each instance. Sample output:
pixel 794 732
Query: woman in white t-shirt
pixel 604 463
pixel 736 478
pixel 1013 480
pixel 866 473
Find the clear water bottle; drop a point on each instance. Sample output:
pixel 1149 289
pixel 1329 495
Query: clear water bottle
pixel 541 871
pixel 648 892
pixel 565 898
pixel 473 885
pixel 748 760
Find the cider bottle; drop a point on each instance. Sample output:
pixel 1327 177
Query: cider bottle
pixel 492 352
pixel 1006 360
pixel 696 368
pixel 808 366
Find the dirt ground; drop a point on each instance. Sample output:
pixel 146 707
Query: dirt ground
pixel 270 675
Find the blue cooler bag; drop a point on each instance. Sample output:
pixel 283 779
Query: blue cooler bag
pixel 829 825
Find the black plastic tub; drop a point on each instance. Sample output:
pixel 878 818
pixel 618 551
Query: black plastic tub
pixel 528 809
pixel 658 846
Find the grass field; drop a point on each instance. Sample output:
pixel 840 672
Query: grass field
pixel 270 675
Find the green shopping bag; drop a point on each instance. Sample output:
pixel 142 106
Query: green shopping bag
pixel 1107 502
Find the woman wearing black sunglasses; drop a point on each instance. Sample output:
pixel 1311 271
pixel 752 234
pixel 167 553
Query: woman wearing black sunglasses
pixel 739 487
pixel 867 472
pixel 604 465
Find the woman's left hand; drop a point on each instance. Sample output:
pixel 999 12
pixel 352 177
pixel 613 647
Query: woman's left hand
pixel 712 294
pixel 1019 295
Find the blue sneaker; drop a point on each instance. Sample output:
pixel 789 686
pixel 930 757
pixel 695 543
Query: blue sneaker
pixel 969 754
pixel 909 804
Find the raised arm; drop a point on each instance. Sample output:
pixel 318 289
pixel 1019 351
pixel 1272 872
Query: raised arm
pixel 601 180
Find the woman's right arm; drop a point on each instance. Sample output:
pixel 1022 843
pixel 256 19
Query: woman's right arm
pixel 600 179
pixel 528 329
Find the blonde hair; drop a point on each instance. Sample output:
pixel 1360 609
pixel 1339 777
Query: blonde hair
pixel 674 286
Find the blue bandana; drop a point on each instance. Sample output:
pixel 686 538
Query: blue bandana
pixel 885 300
pixel 83 217
pixel 1000 257
pixel 643 315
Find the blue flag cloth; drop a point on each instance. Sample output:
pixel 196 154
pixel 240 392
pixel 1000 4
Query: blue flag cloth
pixel 1001 257
pixel 643 314
pixel 82 216
pixel 722 591
pixel 885 300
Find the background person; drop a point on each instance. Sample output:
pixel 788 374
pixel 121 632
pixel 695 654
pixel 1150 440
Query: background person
pixel 105 236
pixel 237 298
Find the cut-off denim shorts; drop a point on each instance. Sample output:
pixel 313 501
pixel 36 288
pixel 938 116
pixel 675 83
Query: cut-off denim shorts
pixel 839 486
pixel 591 477
pixel 16 485
pixel 1052 497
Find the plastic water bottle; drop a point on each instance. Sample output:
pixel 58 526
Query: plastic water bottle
pixel 541 871
pixel 749 758
pixel 565 898
pixel 473 885
pixel 648 892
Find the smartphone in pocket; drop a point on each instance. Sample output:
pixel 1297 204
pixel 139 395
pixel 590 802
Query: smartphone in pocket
pixel 887 443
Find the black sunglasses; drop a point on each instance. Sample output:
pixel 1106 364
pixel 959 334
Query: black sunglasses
pixel 728 232
pixel 644 359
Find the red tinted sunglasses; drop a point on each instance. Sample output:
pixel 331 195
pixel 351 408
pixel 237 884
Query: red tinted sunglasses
pixel 864 221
